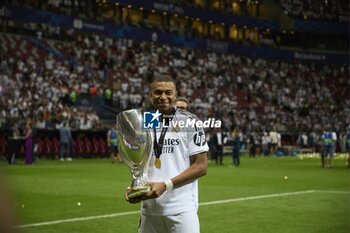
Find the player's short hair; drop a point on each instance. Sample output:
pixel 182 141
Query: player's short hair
pixel 163 78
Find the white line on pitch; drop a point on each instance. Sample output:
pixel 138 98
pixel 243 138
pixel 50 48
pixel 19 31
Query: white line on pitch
pixel 201 204
pixel 333 191
pixel 78 219
pixel 256 197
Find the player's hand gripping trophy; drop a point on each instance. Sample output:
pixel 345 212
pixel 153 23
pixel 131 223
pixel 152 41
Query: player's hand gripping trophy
pixel 135 145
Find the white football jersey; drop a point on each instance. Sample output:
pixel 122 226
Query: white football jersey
pixel 178 146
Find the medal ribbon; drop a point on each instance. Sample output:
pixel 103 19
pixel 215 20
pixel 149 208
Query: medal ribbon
pixel 158 146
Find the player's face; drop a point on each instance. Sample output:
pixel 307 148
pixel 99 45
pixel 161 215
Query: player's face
pixel 163 96
pixel 181 104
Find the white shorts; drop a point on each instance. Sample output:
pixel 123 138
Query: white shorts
pixel 186 222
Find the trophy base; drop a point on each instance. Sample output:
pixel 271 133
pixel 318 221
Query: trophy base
pixel 139 191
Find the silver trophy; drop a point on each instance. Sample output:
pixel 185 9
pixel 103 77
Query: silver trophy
pixel 135 145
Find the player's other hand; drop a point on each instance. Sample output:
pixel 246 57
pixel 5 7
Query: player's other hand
pixel 158 188
pixel 135 199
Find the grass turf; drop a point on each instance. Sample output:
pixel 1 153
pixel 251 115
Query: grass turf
pixel 51 190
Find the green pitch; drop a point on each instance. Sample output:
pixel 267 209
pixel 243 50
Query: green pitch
pixel 265 194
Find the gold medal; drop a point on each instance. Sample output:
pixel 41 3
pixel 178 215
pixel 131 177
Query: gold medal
pixel 176 129
pixel 158 163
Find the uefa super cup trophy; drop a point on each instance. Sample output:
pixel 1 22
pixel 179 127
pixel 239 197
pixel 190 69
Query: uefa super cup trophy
pixel 135 145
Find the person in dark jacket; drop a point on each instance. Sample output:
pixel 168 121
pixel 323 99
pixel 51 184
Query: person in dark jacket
pixel 65 141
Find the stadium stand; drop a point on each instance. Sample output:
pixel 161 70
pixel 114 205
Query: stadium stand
pixel 320 10
pixel 51 73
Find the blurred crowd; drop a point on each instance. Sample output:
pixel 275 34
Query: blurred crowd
pixel 35 85
pixel 45 79
pixel 337 11
pixel 252 94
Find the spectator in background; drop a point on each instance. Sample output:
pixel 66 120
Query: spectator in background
pixel 303 140
pixel 348 144
pixel 265 141
pixel 252 145
pixel 329 139
pixel 217 143
pixel 183 103
pixel 73 97
pixel 40 122
pixel 274 140
pixel 113 144
pixel 208 139
pixel 14 143
pixel 85 123
pixel 65 141
pixel 311 140
pixel 108 97
pixel 279 140
pixel 236 138
pixel 28 142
